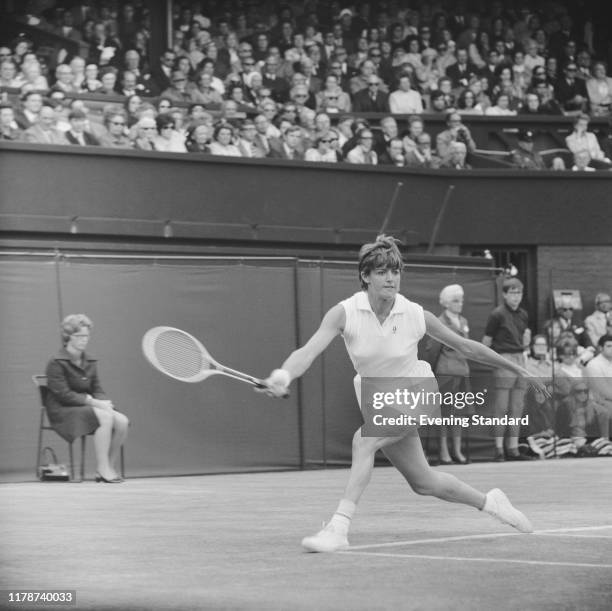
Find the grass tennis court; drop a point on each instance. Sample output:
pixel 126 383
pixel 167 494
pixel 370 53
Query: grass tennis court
pixel 233 542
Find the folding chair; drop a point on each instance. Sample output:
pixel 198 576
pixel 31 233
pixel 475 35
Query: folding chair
pixel 41 383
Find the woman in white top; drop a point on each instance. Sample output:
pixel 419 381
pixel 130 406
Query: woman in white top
pixel 381 330
pixel 322 151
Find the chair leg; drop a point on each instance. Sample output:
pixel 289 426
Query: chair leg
pixel 83 439
pixel 40 433
pixel 122 463
pixel 71 461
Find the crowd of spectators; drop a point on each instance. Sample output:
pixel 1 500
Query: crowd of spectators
pixel 255 79
pixel 574 357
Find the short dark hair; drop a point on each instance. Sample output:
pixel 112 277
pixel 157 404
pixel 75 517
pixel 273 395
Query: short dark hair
pixel 511 283
pixel 384 252
pixel 607 337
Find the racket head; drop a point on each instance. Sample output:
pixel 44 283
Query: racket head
pixel 178 354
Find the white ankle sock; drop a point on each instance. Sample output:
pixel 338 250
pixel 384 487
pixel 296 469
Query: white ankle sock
pixel 342 518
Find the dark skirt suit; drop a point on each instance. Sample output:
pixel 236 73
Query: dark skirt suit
pixel 68 384
pixel 451 368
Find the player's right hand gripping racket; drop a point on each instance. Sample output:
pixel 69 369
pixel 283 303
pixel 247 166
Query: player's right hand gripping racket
pixel 181 356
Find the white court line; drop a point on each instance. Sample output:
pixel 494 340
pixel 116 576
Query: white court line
pixel 469 537
pixel 462 559
pixel 545 534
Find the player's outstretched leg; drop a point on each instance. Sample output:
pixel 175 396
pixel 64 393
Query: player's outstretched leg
pixel 408 457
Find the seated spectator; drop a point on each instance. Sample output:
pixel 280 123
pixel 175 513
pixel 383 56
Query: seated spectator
pixel 76 403
pixel 145 134
pixel 524 156
pixel 457 157
pixel 548 104
pixel 600 321
pixel 129 85
pixel 531 106
pixel 77 133
pixel 322 150
pixel 533 59
pixel 539 362
pixel 33 80
pixel 501 107
pixel 290 144
pixel 91 82
pixel 300 96
pixel 178 91
pixel 223 141
pixel 462 71
pixel 393 154
pixel 32 102
pixel 588 419
pixel 204 93
pixel 570 91
pixel 9 130
pixel 363 152
pixel 583 140
pixel 388 131
pixel 404 100
pixel 108 79
pixel 331 98
pixel 265 132
pixel 421 156
pixel 467 104
pixel 415 129
pixel 198 138
pixel 116 126
pixel 8 75
pixel 456 132
pixel 371 99
pixel 437 103
pixel 567 367
pixel 64 80
pixel 273 81
pixel 564 324
pixel 248 143
pixel 599 375
pixel 599 91
pixel 44 131
pixel 168 139
pixel 105 48
pixel 77 65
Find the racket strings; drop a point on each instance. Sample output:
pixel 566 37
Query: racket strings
pixel 178 355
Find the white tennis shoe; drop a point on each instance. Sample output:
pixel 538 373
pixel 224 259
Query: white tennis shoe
pixel 499 506
pixel 329 539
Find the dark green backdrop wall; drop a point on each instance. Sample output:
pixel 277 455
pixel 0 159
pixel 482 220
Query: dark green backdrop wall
pixel 250 313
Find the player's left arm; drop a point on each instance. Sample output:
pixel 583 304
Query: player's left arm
pixel 475 351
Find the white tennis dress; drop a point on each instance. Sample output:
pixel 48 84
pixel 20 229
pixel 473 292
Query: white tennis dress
pixel 387 350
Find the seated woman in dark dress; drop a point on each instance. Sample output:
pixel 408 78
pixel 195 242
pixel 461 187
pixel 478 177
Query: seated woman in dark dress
pixel 76 403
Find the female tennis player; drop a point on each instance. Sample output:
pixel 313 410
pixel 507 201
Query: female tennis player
pixel 381 330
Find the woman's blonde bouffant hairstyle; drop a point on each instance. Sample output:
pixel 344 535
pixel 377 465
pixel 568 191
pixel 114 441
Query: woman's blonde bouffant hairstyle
pixel 382 253
pixel 72 324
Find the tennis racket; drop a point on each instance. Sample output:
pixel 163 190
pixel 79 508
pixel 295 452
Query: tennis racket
pixel 181 356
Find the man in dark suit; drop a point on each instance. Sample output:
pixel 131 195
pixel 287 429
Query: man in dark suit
pixel 290 145
pixel 570 91
pixel 273 81
pixel 371 99
pixel 461 72
pixel 161 74
pixel 77 134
